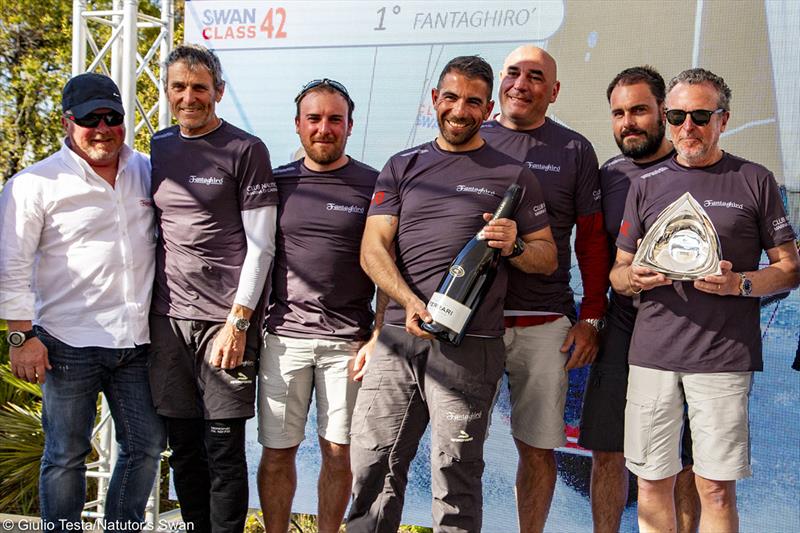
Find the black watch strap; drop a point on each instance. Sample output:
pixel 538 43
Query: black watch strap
pixel 519 249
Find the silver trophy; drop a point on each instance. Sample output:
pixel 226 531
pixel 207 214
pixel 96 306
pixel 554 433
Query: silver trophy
pixel 682 244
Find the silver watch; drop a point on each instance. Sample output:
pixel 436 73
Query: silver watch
pixel 239 322
pixel 18 338
pixel 596 323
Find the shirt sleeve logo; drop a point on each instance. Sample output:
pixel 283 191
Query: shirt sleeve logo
pixel 377 198
pixel 625 228
pixel 261 188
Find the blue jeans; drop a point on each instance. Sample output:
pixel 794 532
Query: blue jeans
pixel 69 411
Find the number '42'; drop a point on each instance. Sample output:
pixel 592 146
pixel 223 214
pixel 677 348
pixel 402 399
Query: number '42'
pixel 268 25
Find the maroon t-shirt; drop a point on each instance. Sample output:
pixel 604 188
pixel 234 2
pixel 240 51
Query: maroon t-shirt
pixel 679 328
pixel 616 176
pixel 439 198
pixel 200 187
pixel 318 287
pixel 565 163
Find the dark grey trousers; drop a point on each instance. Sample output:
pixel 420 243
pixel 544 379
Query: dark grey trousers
pixel 410 382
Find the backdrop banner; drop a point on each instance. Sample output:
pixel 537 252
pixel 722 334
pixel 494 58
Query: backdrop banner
pixel 390 54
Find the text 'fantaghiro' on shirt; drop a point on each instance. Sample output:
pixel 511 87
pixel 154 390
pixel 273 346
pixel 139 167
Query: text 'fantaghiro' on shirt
pixel 439 198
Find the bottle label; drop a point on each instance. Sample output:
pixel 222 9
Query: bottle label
pixel 448 312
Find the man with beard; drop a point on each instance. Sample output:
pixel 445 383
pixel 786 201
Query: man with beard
pixel 319 314
pixel 544 338
pixel 636 96
pixel 76 275
pixel 428 203
pixel 216 208
pixel 699 341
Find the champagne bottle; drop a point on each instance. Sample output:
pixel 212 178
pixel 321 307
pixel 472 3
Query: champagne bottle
pixel 467 280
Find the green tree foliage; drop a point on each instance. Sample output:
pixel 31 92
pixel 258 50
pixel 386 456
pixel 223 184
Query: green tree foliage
pixel 35 52
pixel 36 61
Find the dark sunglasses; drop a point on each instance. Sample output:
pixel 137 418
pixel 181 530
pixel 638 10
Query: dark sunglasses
pixel 92 120
pixel 700 117
pixel 333 84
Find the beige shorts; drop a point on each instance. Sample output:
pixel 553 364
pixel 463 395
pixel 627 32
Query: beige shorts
pixel 718 418
pixel 290 369
pixel 538 382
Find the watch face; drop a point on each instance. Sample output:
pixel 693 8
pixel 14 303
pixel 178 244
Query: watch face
pixel 16 339
pixel 242 324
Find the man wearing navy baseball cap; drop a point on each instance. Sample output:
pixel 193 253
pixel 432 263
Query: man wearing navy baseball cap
pixel 77 322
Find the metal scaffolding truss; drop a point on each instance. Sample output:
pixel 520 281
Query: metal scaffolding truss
pixel 108 41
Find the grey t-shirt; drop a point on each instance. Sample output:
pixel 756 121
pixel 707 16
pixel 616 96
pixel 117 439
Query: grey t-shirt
pixel 565 163
pixel 679 328
pixel 616 176
pixel 439 198
pixel 318 287
pixel 200 187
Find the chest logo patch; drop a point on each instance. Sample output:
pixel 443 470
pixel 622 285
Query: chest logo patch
pixel 210 180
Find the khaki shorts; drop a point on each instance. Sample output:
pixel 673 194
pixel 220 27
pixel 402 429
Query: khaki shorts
pixel 290 370
pixel 538 382
pixel 718 418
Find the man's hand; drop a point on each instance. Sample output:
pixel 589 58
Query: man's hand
pixel 584 338
pixel 642 278
pixel 227 350
pixel 364 355
pixel 726 284
pixel 29 362
pixel 500 233
pixel 416 310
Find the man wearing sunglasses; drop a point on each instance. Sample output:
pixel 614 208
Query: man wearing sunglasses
pixel 216 207
pixel 320 309
pixel 76 273
pixel 544 336
pixel 636 97
pixel 699 342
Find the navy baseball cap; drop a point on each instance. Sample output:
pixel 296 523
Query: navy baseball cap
pixel 86 92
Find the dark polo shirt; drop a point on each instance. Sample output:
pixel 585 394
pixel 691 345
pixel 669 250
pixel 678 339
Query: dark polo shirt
pixel 565 164
pixel 439 198
pixel 200 187
pixel 688 330
pixel 318 287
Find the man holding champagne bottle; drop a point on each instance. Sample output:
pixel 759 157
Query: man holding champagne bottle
pixel 428 202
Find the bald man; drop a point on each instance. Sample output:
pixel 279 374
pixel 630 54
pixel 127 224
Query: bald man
pixel 545 336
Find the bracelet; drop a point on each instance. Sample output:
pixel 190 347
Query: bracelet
pixel 630 284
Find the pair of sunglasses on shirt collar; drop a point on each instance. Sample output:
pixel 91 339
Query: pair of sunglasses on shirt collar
pixel 333 84
pixel 700 117
pixel 92 120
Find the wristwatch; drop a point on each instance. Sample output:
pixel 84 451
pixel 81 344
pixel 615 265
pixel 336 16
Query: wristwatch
pixel 596 323
pixel 745 285
pixel 18 338
pixel 518 249
pixel 239 322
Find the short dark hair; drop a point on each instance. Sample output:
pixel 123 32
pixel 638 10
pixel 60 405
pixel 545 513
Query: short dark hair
pixel 644 74
pixel 696 76
pixel 196 54
pixel 472 67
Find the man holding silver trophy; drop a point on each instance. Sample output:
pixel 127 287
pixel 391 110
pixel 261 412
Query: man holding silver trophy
pixel 697 225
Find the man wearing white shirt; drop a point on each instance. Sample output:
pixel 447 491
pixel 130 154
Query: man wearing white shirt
pixel 76 271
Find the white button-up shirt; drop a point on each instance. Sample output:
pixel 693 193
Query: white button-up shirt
pixel 77 255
